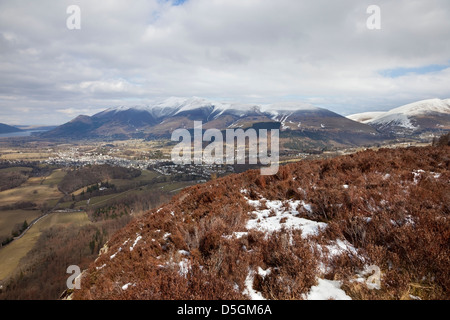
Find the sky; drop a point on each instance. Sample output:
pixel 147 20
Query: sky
pixel 136 52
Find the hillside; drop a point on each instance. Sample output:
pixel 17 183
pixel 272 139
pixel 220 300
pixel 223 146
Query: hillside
pixel 432 115
pixel 315 230
pixel 4 128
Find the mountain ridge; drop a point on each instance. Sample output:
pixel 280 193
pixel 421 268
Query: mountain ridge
pixel 5 128
pixel 162 118
pixel 416 117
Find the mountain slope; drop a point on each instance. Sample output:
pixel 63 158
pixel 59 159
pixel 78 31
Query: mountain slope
pixel 161 119
pixel 365 117
pixel 418 117
pixel 285 236
pixel 4 128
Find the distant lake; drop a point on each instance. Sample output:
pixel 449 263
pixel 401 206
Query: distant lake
pixel 20 133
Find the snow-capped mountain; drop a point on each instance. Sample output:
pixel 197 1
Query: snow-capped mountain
pixel 162 118
pixel 417 117
pixel 365 117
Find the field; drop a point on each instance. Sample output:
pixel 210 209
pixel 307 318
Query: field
pixel 29 156
pixel 70 227
pixel 11 254
pixel 43 194
pixel 35 189
pixel 9 218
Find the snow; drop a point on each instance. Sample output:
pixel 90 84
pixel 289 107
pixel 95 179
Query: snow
pixel 269 220
pixel 365 117
pixel 236 235
pixel 397 119
pixel 125 287
pixel 101 267
pixel 339 247
pixel 135 242
pixel 327 290
pixel 417 174
pixel 184 266
pixel 422 107
pixel 252 293
pixel 114 255
pixel 263 273
pixel 287 106
pixel 184 252
pixel 401 116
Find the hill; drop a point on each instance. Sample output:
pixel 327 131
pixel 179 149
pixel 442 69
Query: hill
pixel 431 115
pixel 315 230
pixel 4 128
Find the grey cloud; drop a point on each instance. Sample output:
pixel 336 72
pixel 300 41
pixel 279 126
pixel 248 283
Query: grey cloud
pixel 139 51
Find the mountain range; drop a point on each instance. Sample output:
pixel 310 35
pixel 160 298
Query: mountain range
pixel 161 119
pixel 302 126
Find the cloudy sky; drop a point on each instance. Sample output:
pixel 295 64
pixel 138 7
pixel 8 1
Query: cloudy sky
pixel 135 52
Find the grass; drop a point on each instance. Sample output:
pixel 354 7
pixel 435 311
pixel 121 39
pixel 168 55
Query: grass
pixel 30 156
pixel 35 189
pixel 32 191
pixel 55 178
pixel 16 169
pixel 8 219
pixel 11 254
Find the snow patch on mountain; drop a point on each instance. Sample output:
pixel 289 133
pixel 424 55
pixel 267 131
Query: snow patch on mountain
pixel 365 117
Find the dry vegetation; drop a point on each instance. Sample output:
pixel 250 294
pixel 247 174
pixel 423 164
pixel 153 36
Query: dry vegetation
pixel 80 177
pixel 392 206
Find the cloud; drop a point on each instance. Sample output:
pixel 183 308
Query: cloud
pixel 250 51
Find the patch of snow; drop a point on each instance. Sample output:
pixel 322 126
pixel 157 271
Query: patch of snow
pixel 235 235
pixel 269 220
pixel 327 290
pixel 252 293
pixel 185 266
pixel 135 242
pixel 184 252
pixel 365 117
pixel 417 174
pixel 125 287
pixel 397 119
pixel 263 273
pixel 339 247
pixel 101 267
pixel 114 255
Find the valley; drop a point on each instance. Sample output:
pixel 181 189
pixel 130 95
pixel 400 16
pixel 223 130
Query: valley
pixel 65 196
